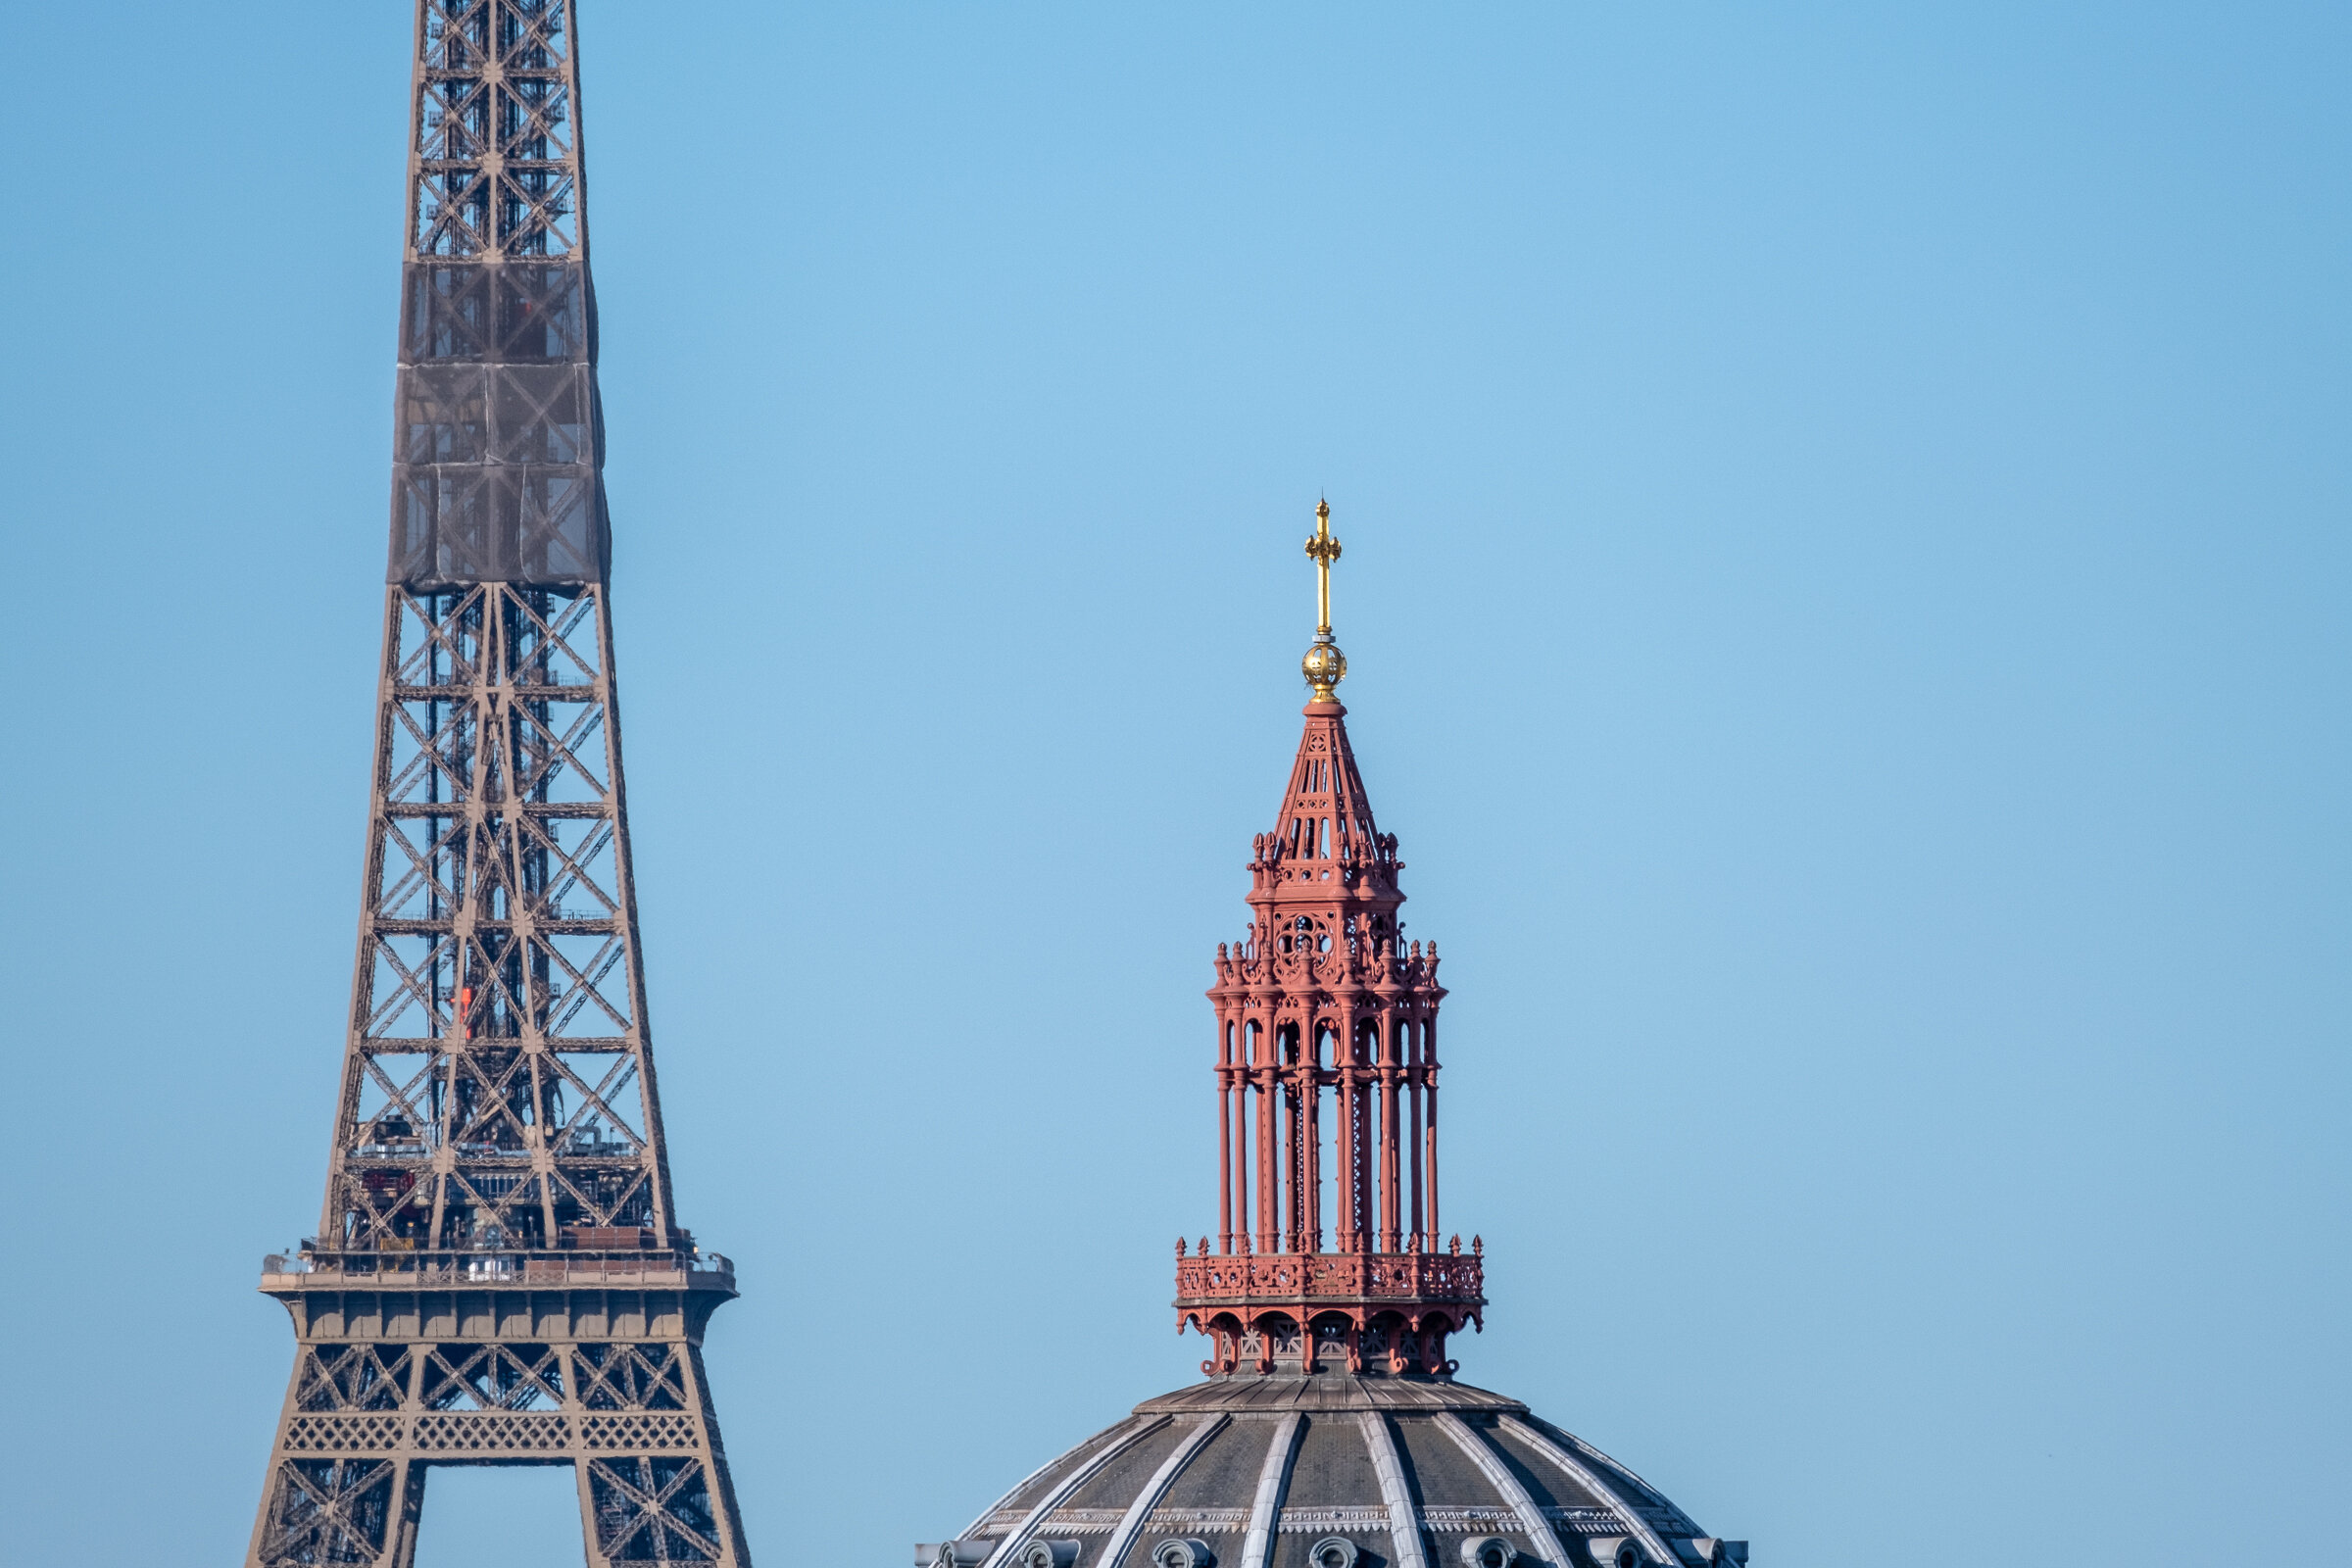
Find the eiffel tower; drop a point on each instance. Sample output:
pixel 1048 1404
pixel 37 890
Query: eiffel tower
pixel 498 1276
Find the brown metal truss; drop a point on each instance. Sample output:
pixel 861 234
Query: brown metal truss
pixel 448 1363
pixel 498 1276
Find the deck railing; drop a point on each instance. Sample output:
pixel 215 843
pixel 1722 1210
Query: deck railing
pixel 319 1269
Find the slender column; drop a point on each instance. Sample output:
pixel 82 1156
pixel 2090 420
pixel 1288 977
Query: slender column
pixel 1349 1136
pixel 1347 1107
pixel 1366 1182
pixel 1390 1241
pixel 1412 1038
pixel 1375 1130
pixel 1429 1070
pixel 1241 1134
pixel 1310 1144
pixel 1239 1155
pixel 1269 1140
pixel 1360 1142
pixel 1297 1165
pixel 1294 1207
pixel 1343 1144
pixel 1225 1031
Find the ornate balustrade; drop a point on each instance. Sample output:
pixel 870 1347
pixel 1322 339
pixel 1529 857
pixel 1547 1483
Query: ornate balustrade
pixel 1332 1277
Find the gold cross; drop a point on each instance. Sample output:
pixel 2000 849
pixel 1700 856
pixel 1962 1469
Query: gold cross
pixel 1323 549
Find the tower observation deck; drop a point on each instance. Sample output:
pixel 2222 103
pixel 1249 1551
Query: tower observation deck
pixel 498 1275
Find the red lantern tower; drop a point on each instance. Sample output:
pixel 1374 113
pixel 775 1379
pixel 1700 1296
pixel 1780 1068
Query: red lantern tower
pixel 1330 1431
pixel 1327 1088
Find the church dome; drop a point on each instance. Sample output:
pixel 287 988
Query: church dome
pixel 1332 1470
pixel 1330 1432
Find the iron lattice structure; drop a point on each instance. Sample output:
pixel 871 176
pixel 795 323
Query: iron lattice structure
pixel 498 1276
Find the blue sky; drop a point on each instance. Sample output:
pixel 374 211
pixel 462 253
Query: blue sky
pixel 1846 586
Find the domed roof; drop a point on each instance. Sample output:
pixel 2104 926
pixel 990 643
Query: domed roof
pixel 1332 1470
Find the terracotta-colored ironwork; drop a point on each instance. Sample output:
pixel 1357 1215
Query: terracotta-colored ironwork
pixel 499 1276
pixel 1334 1276
pixel 1327 1085
pixel 1329 1428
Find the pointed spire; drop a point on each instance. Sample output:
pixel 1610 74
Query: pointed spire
pixel 1325 845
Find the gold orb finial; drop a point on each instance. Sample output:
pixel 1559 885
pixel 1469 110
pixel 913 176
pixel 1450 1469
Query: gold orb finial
pixel 1324 665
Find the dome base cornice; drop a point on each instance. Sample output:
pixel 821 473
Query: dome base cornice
pixel 1331 1392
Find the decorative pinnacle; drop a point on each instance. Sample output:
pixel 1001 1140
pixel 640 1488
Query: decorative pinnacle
pixel 1324 665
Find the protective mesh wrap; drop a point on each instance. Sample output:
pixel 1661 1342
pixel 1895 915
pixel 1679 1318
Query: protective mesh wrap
pixel 498 440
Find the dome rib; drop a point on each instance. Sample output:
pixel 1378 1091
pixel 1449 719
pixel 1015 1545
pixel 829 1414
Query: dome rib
pixel 1273 1480
pixel 979 1525
pixel 1131 1523
pixel 1404 1520
pixel 1532 1519
pixel 1590 1479
pixel 1056 1495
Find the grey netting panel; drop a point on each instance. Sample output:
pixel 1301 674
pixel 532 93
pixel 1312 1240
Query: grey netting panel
pixel 516 312
pixel 531 525
pixel 444 414
pixel 498 440
pixel 541 413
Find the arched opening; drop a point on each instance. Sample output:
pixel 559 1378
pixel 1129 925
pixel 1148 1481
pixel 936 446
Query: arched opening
pixel 1224 1331
pixel 500 1516
pixel 1334 1334
pixel 1272 1340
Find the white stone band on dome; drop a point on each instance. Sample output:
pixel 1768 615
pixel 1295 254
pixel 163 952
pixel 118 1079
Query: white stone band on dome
pixel 1404 1523
pixel 1056 1495
pixel 979 1526
pixel 1586 1475
pixel 1273 1480
pixel 1498 1476
pixel 1130 1524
